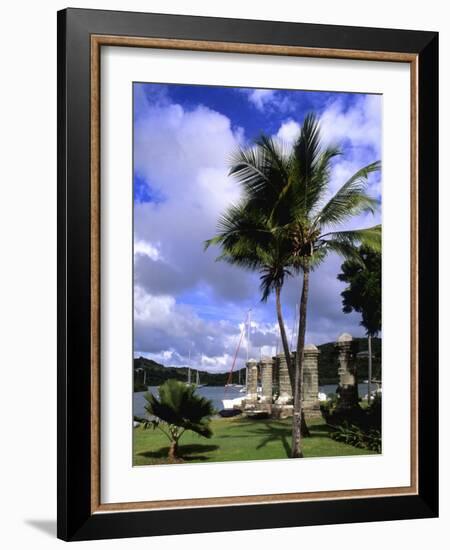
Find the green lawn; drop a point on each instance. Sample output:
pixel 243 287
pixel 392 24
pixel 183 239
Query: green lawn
pixel 239 439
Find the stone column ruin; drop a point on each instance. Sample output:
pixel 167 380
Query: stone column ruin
pixel 310 386
pixel 252 381
pixel 284 383
pixel 266 365
pixel 348 383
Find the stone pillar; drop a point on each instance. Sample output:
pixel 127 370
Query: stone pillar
pixel 348 383
pixel 252 380
pixel 284 383
pixel 266 379
pixel 310 386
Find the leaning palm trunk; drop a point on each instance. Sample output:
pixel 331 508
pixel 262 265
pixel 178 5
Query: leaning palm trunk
pixel 284 340
pixel 298 420
pixel 287 352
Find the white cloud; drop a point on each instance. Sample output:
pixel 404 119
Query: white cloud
pixel 146 249
pixel 183 156
pixel 360 124
pixel 269 100
pixel 289 132
pixel 260 98
pixel 356 129
pixel 168 332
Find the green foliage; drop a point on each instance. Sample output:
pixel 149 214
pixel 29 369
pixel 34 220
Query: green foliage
pixel 363 293
pixel 357 426
pixel 353 435
pixel 156 374
pixel 327 406
pixel 179 406
pixel 138 384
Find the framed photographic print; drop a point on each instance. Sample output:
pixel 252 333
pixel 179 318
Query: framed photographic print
pixel 247 274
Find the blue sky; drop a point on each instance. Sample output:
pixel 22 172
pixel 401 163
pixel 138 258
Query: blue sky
pixel 183 136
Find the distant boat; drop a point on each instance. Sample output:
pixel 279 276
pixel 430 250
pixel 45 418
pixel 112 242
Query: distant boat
pixel 197 375
pixel 189 383
pixel 197 381
pixel 196 384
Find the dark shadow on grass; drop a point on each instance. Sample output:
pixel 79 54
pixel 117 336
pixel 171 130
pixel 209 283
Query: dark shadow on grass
pixel 188 453
pixel 269 431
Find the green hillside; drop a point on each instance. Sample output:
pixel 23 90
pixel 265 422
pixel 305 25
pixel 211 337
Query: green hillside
pixel 155 373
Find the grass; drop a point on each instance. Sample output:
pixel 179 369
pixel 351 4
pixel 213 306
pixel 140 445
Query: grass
pixel 239 439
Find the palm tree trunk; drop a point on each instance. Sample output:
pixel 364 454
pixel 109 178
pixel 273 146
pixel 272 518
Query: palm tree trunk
pixel 287 353
pixel 173 450
pixel 298 420
pixel 284 340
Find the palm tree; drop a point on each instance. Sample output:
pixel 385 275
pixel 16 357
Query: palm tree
pixel 247 239
pixel 285 190
pixel 178 409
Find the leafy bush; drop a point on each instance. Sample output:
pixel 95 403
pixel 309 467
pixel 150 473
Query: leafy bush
pixel 178 409
pixel 356 426
pixel 327 407
pixel 353 435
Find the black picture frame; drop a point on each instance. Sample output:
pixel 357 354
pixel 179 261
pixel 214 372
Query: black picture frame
pixel 75 519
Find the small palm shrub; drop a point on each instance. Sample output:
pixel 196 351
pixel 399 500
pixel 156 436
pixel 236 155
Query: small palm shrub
pixel 178 409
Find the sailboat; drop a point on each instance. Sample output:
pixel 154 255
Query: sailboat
pixel 233 407
pixel 197 375
pixel 189 381
pixel 197 380
pixel 239 385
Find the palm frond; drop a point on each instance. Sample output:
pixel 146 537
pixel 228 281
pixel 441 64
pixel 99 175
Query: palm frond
pixel 240 224
pixel 262 171
pixel 350 200
pixel 369 237
pixel 179 405
pixel 307 146
pixel 344 249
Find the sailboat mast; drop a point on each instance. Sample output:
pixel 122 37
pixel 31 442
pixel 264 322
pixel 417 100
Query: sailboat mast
pixel 189 365
pixel 248 346
pixel 248 333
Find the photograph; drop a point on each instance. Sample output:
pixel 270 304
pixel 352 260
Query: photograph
pixel 257 261
pixel 247 273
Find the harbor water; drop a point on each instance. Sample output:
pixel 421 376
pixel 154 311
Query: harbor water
pixel 217 393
